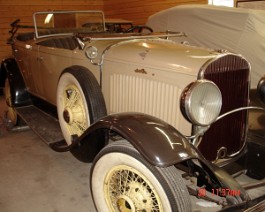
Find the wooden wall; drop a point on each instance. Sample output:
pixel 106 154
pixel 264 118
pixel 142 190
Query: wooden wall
pixel 11 10
pixel 135 10
pixel 139 10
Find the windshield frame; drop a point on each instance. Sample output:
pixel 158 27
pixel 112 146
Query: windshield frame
pixel 38 29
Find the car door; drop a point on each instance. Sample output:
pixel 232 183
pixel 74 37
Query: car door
pixel 25 54
pixel 51 61
pixel 34 72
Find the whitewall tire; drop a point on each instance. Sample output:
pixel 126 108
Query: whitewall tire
pixel 79 102
pixel 121 180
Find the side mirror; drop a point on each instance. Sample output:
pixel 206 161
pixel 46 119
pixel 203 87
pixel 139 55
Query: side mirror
pixel 261 89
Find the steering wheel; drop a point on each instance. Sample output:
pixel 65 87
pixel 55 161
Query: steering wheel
pixel 139 29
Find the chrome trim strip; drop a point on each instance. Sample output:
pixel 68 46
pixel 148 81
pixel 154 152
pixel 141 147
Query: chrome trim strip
pixel 239 109
pixel 234 111
pixel 137 36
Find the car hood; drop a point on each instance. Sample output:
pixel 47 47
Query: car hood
pixel 161 54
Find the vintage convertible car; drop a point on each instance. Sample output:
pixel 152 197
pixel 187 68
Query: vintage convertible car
pixel 117 99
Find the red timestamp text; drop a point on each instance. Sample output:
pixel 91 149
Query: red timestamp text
pixel 225 192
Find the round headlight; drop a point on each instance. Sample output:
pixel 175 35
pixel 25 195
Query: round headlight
pixel 201 102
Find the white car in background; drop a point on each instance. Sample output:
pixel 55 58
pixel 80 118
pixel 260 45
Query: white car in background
pixel 237 30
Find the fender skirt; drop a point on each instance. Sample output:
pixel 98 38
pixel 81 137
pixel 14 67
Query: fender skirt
pixel 158 142
pixel 19 93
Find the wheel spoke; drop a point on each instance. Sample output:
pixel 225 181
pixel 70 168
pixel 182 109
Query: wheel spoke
pixel 77 128
pixel 74 104
pixel 72 97
pixel 81 126
pixel 127 189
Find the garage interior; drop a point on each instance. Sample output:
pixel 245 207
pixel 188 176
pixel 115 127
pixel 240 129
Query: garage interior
pixel 33 177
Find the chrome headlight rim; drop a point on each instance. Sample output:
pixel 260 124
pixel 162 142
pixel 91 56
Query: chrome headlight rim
pixel 261 89
pixel 208 98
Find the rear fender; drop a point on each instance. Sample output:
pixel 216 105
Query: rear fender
pixel 19 93
pixel 158 142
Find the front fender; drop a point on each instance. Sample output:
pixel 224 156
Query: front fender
pixel 158 142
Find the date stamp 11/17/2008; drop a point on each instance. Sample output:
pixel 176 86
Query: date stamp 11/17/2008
pixel 219 192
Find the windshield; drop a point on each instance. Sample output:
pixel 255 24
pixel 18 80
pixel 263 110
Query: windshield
pixel 68 22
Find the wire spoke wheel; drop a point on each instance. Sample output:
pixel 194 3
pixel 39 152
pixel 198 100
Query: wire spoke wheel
pixel 72 107
pixel 80 103
pixel 74 112
pixel 122 180
pixel 129 190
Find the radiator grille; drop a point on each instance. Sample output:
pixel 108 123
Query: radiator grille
pixel 135 94
pixel 231 74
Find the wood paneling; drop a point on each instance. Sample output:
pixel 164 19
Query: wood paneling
pixel 23 9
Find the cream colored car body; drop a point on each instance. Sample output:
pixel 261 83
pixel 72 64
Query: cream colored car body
pixel 140 75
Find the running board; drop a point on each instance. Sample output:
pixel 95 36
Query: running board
pixel 45 126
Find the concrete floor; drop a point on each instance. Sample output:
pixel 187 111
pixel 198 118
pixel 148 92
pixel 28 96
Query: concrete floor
pixel 34 178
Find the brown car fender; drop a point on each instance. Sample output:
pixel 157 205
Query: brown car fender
pixel 158 142
pixel 19 93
